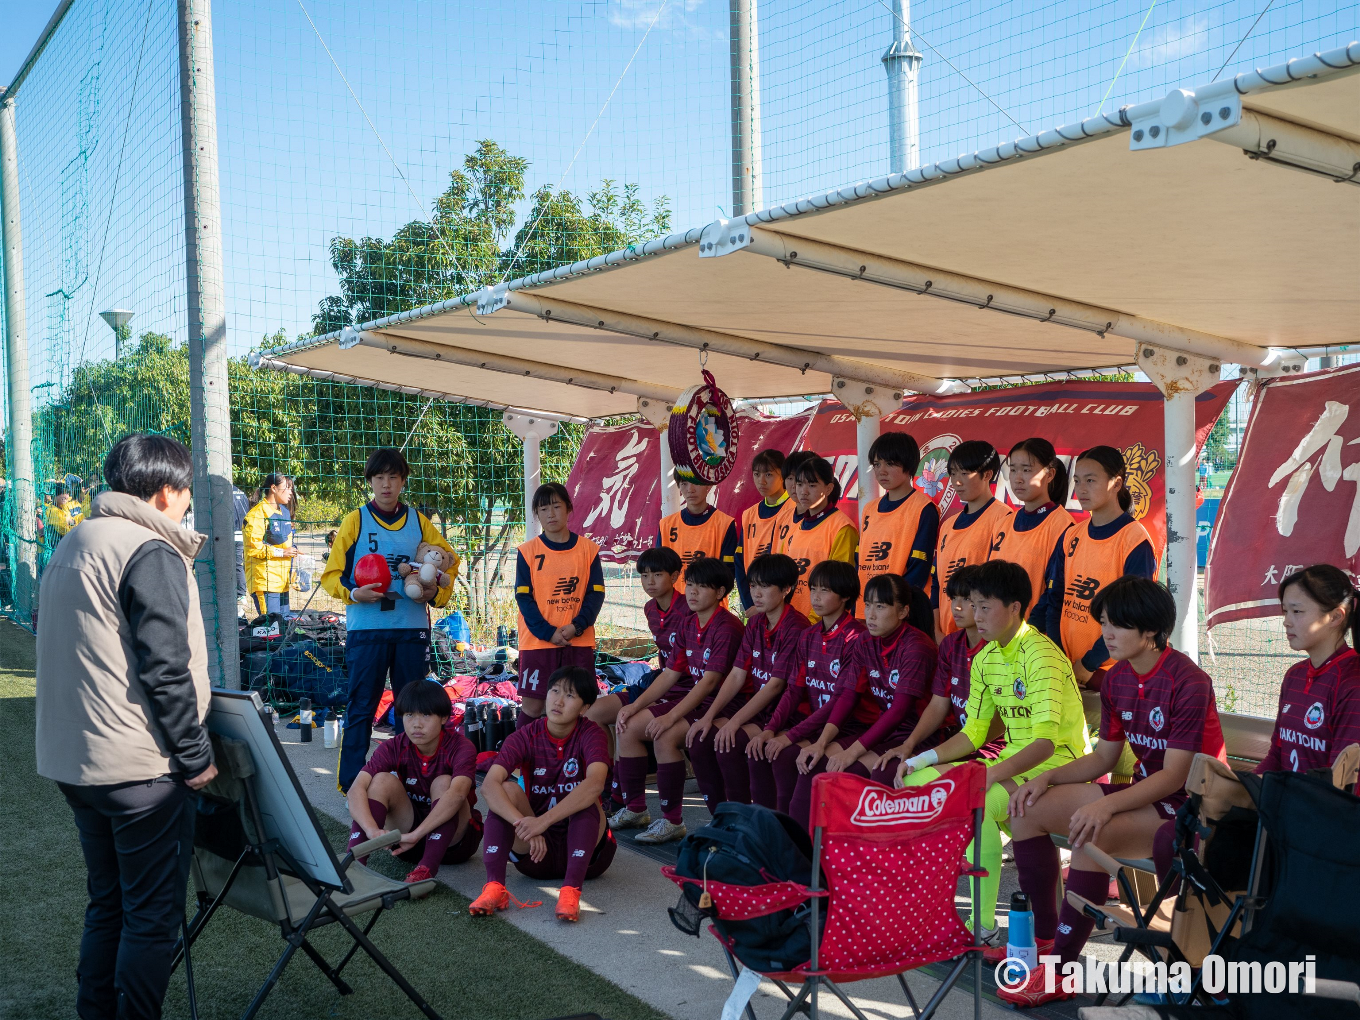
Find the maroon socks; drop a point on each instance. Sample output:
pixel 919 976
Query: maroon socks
pixel 438 843
pixel 1163 850
pixel 1074 927
pixel 670 787
pixel 763 791
pixel 1040 869
pixel 736 776
pixel 632 773
pixel 785 768
pixel 583 833
pixel 356 834
pixel 707 771
pixel 800 804
pixel 497 841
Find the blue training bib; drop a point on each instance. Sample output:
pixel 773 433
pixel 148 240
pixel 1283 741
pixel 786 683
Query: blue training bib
pixel 396 611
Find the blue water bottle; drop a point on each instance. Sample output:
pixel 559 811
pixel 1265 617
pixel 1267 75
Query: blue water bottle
pixel 1020 932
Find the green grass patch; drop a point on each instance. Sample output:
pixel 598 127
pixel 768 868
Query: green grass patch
pixel 465 967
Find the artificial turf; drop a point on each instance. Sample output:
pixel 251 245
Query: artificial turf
pixel 465 967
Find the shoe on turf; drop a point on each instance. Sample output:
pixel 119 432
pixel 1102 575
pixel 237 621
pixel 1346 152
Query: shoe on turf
pixel 1032 992
pixel 997 952
pixel 569 904
pixel 662 830
pixel 494 897
pixel 625 819
pixel 419 873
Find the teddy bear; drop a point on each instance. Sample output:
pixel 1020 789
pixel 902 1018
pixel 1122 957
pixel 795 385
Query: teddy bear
pixel 427 573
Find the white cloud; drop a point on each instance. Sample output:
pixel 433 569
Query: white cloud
pixel 678 15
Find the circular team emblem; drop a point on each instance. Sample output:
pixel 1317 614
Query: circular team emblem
pixel 703 433
pixel 1313 717
pixel 707 653
pixel 1156 719
pixel 570 768
pixel 892 679
pixel 1019 688
pixel 835 667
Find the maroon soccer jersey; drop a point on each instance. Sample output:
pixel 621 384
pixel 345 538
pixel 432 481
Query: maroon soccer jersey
pixel 665 625
pixel 1170 708
pixel 711 647
pixel 954 666
pixel 552 768
pixel 823 653
pixel 1319 714
pixel 455 756
pixel 771 652
pixel 896 673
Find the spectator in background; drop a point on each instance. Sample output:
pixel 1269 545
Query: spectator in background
pixel 122 691
pixel 62 515
pixel 240 506
pixel 269 545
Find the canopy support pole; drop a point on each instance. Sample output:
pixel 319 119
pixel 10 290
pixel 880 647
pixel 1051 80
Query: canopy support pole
pixel 659 414
pixel 868 403
pixel 531 431
pixel 1181 379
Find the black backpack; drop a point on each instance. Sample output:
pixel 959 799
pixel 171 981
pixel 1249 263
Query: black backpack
pixel 750 845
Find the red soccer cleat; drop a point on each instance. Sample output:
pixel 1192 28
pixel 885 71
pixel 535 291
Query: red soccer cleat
pixel 997 953
pixel 494 897
pixel 569 904
pixel 419 873
pixel 1033 992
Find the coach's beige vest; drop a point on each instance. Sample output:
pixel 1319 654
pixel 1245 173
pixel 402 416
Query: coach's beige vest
pixel 95 725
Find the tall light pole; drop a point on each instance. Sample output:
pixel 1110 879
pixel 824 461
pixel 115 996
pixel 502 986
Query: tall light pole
pixel 902 62
pixel 746 190
pixel 118 319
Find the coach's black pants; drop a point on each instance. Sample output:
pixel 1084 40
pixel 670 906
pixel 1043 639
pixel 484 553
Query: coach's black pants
pixel 137 839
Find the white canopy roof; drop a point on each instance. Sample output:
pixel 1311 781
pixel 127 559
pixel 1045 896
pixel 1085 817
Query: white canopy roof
pixel 1220 222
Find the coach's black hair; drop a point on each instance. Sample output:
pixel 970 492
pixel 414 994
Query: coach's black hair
pixel 692 481
pixel 773 569
pixel 1042 451
pixel 1329 587
pixel 423 697
pixel 896 448
pixel 387 460
pixel 960 583
pixel 894 589
pixel 1111 461
pixel 975 455
pixel 578 679
pixel 663 558
pixel 818 469
pixel 841 578
pixel 771 460
pixel 142 465
pixel 1137 603
pixel 710 572
pixel 1001 579
pixel 549 491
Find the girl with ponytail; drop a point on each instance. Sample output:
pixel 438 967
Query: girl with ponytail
pixel 818 531
pixel 1319 712
pixel 1108 545
pixel 969 537
pixel 1033 536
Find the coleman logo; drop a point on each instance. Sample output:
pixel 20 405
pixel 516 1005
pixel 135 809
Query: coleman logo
pixel 878 806
pixel 1313 717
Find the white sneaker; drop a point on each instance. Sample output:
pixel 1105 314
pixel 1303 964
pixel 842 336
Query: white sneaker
pixel 625 819
pixel 662 831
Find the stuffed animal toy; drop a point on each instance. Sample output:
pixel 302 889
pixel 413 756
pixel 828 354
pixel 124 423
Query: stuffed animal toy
pixel 427 573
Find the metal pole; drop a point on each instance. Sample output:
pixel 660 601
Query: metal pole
pixel 531 431
pixel 866 431
pixel 19 442
pixel 670 494
pixel 746 191
pixel 902 62
pixel 209 408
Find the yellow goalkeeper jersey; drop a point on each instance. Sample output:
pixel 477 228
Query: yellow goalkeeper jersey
pixel 1029 683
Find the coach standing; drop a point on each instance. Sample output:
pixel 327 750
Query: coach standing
pixel 122 693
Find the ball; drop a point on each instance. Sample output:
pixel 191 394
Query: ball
pixel 372 569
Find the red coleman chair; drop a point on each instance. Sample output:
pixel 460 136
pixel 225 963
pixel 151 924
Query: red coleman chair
pixel 892 861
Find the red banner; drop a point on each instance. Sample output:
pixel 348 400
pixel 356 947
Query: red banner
pixel 1294 496
pixel 615 482
pixel 1071 415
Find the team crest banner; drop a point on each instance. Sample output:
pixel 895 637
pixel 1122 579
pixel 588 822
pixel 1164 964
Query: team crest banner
pixel 1294 496
pixel 1073 416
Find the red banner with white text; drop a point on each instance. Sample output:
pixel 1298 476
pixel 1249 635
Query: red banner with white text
pixel 1294 496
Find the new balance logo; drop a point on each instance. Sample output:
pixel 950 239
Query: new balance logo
pixel 434 835
pixel 1084 588
pixel 878 551
pixel 578 853
pixel 566 586
pixel 803 566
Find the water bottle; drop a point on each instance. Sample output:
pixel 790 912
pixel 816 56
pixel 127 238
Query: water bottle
pixel 502 636
pixel 472 725
pixel 1020 933
pixel 305 716
pixel 332 731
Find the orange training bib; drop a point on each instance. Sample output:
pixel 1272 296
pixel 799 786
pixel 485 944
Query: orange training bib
pixel 1090 565
pixel 885 540
pixel 560 578
pixel 691 541
pixel 962 547
pixel 1032 549
pixel 808 548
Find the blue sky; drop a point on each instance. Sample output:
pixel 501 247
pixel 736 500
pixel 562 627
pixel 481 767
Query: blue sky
pixel 633 90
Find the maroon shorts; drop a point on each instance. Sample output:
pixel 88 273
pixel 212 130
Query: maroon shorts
pixel 1165 808
pixel 554 863
pixel 537 665
pixel 455 853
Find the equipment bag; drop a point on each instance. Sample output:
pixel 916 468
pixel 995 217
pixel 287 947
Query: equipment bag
pixel 299 669
pixel 746 844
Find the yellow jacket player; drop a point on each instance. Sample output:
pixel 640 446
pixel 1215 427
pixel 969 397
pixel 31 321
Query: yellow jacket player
pixel 766 523
pixel 559 588
pixel 699 530
pixel 971 536
pixel 898 532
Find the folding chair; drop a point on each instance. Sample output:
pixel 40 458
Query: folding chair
pixel 236 864
pixel 892 861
